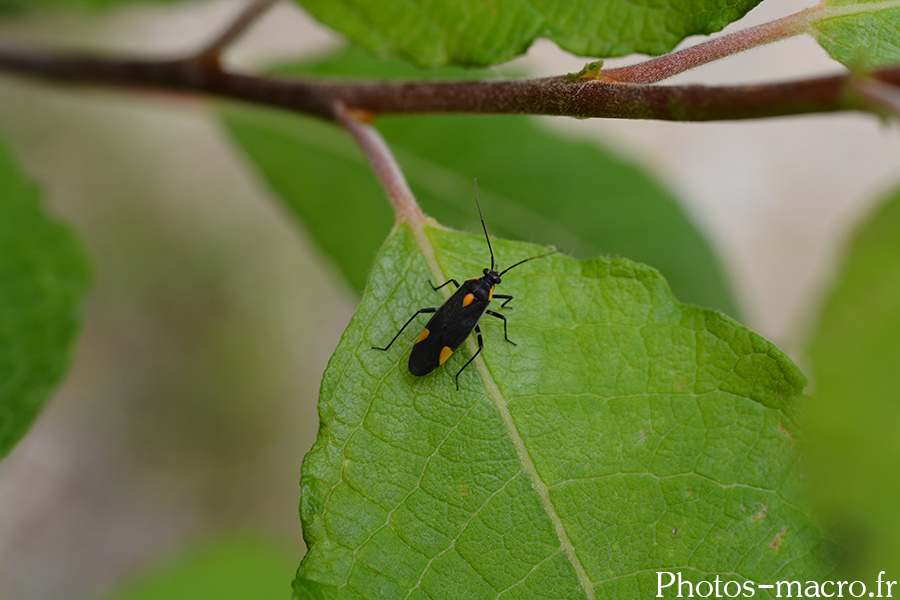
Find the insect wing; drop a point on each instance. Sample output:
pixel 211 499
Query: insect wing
pixel 446 331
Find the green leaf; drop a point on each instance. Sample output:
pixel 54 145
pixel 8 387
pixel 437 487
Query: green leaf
pixel 590 70
pixel 322 178
pixel 43 279
pixel 860 33
pixel 473 32
pixel 625 433
pixel 855 359
pixel 533 184
pixel 540 186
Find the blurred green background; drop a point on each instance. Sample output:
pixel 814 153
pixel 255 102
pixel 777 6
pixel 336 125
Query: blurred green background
pixel 167 464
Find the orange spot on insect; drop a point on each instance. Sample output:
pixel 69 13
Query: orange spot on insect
pixel 423 335
pixel 491 294
pixel 445 354
pixel 468 299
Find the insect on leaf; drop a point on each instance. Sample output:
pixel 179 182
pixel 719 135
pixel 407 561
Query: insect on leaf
pixel 625 433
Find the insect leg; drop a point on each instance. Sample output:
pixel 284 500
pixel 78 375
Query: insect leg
pixel 417 313
pixel 453 281
pixel 506 298
pixel 480 348
pixel 499 316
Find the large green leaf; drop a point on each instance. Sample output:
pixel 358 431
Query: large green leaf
pixel 855 358
pixel 43 279
pixel 625 433
pixel 533 184
pixel 474 32
pixel 860 33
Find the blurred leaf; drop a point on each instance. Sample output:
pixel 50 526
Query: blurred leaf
pixel 861 33
pixel 855 358
pixel 18 6
pixel 474 32
pixel 625 433
pixel 533 185
pixel 43 279
pixel 536 185
pixel 235 568
pixel 322 178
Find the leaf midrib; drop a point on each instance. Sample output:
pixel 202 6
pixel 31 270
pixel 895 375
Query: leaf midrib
pixel 500 402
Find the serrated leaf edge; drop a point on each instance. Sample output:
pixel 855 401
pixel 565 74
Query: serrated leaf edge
pixel 827 13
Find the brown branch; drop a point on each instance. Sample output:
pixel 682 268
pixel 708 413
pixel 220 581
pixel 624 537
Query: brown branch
pixel 882 95
pixel 212 53
pixel 549 96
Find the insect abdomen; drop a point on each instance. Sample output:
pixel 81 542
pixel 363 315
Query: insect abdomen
pixel 447 329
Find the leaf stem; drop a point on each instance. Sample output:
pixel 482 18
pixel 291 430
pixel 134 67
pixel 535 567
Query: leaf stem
pixel 383 164
pixel 662 67
pixel 668 65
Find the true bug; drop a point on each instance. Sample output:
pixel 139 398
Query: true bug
pixel 455 319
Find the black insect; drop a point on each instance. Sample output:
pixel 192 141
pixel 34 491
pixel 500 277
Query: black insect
pixel 455 319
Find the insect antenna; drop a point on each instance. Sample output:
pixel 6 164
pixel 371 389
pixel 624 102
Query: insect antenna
pixel 554 251
pixel 483 226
